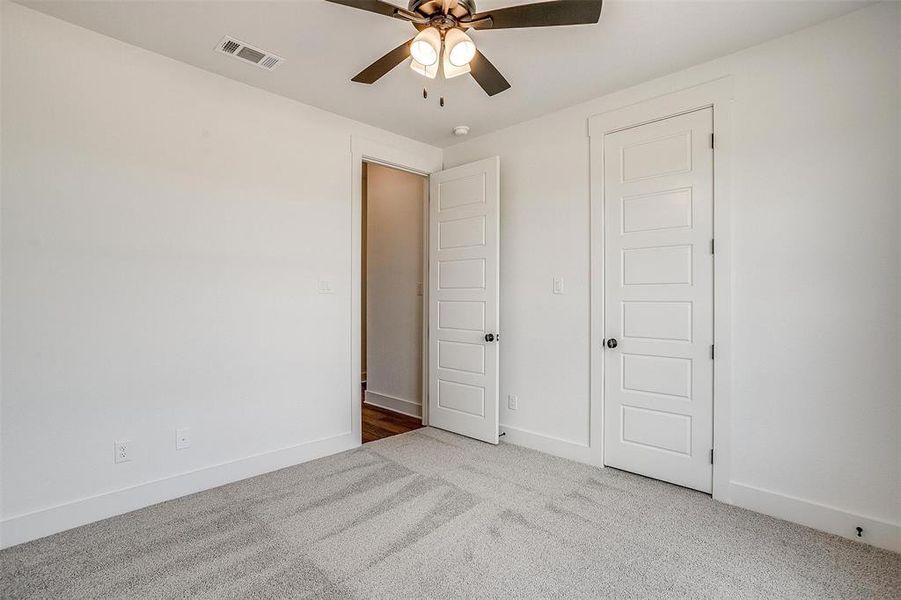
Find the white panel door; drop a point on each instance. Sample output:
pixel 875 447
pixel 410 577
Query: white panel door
pixel 464 253
pixel 658 367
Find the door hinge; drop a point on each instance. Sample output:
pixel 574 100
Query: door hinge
pixel 711 141
pixel 711 456
pixel 713 246
pixel 712 353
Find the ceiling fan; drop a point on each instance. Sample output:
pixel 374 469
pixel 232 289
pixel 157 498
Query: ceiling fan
pixel 442 26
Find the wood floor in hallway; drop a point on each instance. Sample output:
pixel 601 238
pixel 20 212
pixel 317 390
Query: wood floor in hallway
pixel 379 423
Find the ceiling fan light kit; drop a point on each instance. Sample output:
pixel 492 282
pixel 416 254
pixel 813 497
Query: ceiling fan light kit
pixel 442 38
pixel 455 47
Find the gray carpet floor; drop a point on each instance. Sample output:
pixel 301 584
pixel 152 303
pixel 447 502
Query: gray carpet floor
pixel 430 514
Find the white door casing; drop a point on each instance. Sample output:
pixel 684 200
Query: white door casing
pixel 419 162
pixel 658 388
pixel 464 303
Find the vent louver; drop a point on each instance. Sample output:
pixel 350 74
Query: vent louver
pixel 230 46
pixel 248 53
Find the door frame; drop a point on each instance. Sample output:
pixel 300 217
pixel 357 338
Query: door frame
pixel 370 151
pixel 717 95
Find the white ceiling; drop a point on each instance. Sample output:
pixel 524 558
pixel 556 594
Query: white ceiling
pixel 549 68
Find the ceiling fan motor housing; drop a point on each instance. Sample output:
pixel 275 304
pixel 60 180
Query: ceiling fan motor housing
pixel 434 9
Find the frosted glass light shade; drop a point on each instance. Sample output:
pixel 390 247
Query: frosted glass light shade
pixel 426 47
pixel 430 71
pixel 451 70
pixel 458 47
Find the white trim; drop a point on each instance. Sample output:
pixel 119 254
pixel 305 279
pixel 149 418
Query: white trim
pixel 546 443
pixel 29 526
pixel 819 516
pixel 718 95
pixel 394 404
pixel 375 152
pixel 424 286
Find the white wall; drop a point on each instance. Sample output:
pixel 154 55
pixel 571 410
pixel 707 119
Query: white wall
pixel 163 233
pixel 396 201
pixel 815 396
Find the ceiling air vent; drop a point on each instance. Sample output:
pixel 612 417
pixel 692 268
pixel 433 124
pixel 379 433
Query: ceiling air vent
pixel 248 53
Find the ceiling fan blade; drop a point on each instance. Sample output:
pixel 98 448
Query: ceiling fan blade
pixel 376 6
pixel 541 14
pixel 376 70
pixel 487 75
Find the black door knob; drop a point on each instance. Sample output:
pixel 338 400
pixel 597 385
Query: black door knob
pixel 489 337
pixel 611 343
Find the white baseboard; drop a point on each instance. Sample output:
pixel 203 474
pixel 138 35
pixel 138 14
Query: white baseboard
pixel 394 404
pixel 818 516
pixel 22 528
pixel 547 444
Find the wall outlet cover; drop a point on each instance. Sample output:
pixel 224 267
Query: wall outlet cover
pixel 121 449
pixel 512 402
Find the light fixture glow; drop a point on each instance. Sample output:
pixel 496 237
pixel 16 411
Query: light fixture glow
pixel 459 47
pixel 426 47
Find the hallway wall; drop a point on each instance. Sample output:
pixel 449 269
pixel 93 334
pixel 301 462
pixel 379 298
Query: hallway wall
pixel 394 232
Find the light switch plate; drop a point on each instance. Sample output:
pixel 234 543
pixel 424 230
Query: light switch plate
pixel 325 286
pixel 558 285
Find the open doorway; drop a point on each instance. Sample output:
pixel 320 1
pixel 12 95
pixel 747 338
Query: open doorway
pixel 394 205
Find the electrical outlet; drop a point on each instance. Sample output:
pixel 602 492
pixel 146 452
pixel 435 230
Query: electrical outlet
pixel 121 451
pixel 325 286
pixel 512 402
pixel 558 285
pixel 182 438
